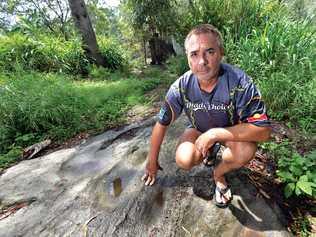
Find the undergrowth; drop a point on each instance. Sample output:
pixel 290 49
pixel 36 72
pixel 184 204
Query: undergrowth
pixel 36 106
pixel 47 53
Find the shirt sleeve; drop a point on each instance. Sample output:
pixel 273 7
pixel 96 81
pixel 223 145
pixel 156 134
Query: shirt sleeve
pixel 165 114
pixel 172 106
pixel 250 106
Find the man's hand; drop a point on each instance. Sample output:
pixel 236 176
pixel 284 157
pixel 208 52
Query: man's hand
pixel 153 166
pixel 151 171
pixel 204 142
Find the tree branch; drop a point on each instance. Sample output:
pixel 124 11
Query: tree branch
pixel 47 20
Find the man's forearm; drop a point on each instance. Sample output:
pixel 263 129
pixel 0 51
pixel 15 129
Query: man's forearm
pixel 157 137
pixel 240 132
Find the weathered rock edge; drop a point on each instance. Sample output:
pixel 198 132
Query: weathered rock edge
pixel 94 189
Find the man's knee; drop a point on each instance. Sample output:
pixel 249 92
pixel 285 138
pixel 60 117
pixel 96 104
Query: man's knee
pixel 185 155
pixel 184 164
pixel 240 152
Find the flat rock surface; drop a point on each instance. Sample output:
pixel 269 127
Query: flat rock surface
pixel 95 189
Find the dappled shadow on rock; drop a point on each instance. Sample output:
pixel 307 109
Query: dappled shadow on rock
pixel 205 192
pixel 201 182
pixel 251 210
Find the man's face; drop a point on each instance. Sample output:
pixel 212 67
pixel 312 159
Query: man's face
pixel 204 56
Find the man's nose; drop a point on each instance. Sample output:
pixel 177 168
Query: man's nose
pixel 203 60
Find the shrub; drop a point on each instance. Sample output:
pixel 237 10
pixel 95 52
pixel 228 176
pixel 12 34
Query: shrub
pixel 178 65
pixel 99 73
pixel 38 104
pixel 46 53
pixel 294 170
pixel 10 157
pixel 238 17
pixel 112 52
pixel 281 57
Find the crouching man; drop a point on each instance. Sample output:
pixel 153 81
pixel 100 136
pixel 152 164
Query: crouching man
pixel 223 106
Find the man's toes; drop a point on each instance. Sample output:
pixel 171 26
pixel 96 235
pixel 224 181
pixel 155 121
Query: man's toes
pixel 227 196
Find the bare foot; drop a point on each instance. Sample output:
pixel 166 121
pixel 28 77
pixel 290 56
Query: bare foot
pixel 220 181
pixel 223 194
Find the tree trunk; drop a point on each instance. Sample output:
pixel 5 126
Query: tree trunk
pixel 153 51
pixel 83 23
pixel 145 51
pixel 160 50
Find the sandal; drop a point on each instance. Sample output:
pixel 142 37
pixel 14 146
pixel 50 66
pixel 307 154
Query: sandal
pixel 222 194
pixel 211 155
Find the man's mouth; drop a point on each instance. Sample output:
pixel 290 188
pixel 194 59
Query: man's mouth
pixel 203 71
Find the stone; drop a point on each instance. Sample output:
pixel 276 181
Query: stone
pixel 95 189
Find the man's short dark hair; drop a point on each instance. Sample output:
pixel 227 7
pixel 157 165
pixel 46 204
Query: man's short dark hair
pixel 205 29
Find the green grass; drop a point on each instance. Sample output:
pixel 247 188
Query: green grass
pixel 48 53
pixel 280 55
pixel 35 106
pixel 10 158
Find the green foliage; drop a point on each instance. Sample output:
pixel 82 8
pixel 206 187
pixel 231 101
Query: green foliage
pixel 238 17
pixel 178 65
pixel 47 53
pixel 23 140
pixel 280 54
pixel 153 22
pixel 280 43
pixel 152 15
pixel 104 20
pixel 34 16
pixel 99 73
pixel 35 106
pixel 297 172
pixel 11 157
pixel 112 52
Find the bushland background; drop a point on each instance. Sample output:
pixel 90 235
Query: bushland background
pixel 75 68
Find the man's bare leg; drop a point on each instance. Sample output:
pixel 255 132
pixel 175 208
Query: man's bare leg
pixel 236 155
pixel 187 155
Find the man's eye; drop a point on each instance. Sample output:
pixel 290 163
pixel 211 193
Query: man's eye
pixel 210 51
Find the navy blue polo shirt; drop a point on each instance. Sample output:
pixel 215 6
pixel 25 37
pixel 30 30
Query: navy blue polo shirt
pixel 234 99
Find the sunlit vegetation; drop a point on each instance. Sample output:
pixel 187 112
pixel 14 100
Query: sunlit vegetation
pixel 37 106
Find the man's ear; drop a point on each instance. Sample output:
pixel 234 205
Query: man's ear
pixel 222 51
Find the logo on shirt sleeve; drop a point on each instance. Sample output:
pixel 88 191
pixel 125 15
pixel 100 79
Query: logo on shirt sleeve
pixel 162 113
pixel 257 117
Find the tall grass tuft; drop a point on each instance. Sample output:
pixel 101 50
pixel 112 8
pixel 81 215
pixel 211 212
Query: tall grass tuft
pixel 113 53
pixel 46 53
pixel 280 55
pixel 34 106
